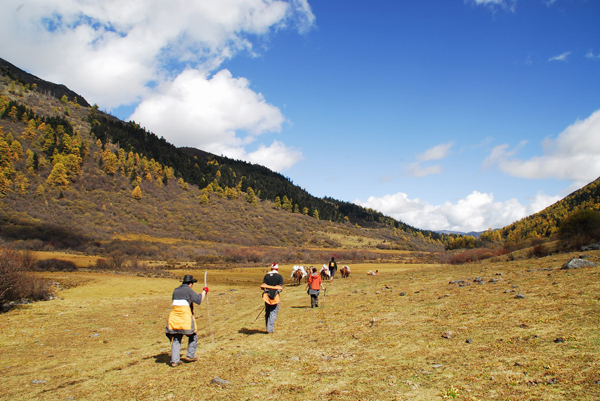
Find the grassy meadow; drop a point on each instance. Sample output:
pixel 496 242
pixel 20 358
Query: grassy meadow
pixel 407 334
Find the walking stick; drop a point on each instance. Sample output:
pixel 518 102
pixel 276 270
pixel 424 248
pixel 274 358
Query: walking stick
pixel 324 295
pixel 261 311
pixel 212 334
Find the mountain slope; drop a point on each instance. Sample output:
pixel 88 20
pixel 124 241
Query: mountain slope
pixel 546 223
pixel 74 177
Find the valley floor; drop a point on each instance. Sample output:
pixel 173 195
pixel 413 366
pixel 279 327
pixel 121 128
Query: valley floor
pixel 520 330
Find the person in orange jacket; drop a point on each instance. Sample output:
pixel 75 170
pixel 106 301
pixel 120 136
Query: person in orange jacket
pixel 314 286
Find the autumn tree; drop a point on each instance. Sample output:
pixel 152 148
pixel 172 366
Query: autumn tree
pixel 110 163
pixel 136 193
pixel 251 197
pixel 58 176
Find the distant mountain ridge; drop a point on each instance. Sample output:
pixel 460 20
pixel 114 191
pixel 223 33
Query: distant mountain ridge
pixel 55 90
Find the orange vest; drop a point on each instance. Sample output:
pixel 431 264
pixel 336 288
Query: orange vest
pixel 265 295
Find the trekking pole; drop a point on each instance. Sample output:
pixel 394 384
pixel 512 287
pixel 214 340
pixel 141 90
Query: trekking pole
pixel 259 313
pixel 324 295
pixel 212 334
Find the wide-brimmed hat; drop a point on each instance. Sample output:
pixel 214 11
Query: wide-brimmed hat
pixel 189 279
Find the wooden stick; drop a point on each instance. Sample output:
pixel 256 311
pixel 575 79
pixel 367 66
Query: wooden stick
pixel 212 334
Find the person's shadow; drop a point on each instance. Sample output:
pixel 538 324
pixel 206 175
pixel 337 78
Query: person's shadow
pixel 300 307
pixel 163 357
pixel 250 332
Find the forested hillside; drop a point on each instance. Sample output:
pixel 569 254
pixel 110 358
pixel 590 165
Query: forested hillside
pixel 548 222
pixel 75 177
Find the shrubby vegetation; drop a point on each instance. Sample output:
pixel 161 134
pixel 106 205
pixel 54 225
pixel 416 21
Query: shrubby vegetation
pixel 16 284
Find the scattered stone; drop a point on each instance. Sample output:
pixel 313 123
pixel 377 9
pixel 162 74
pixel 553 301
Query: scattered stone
pixel 494 280
pixel 577 263
pixel 95 335
pixel 559 340
pixel 437 366
pixel 520 296
pixel 295 358
pixel 220 382
pixel 402 294
pixel 523 326
pixel 591 247
pixel 469 341
pixel 447 334
pixel 38 382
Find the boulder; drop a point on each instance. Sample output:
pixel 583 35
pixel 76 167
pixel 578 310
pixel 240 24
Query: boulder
pixel 577 263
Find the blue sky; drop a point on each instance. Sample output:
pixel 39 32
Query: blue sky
pixel 445 114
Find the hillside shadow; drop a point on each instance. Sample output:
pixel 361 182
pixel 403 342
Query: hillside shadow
pixel 250 332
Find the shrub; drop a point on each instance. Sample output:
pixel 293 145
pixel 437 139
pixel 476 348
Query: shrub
pixel 475 255
pixel 580 228
pixel 55 265
pixel 539 251
pixel 15 283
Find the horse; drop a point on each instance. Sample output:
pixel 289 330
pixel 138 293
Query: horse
pixel 325 273
pixel 345 271
pixel 297 274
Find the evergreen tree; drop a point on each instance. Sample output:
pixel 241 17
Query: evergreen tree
pixel 136 193
pixel 58 176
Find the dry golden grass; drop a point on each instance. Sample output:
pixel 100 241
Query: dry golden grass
pixel 104 339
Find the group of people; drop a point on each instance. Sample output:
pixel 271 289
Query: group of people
pixel 181 319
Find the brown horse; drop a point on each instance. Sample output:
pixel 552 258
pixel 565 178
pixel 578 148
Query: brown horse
pixel 297 277
pixel 345 271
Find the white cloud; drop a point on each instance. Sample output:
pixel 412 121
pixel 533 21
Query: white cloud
pixel 435 153
pixel 113 52
pixel 590 54
pixel 574 155
pixel 560 57
pixel 505 4
pixel 221 115
pixel 109 50
pixel 417 170
pixel 476 212
pixel 277 157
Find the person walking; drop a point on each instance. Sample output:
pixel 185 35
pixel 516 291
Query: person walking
pixel 332 268
pixel 181 320
pixel 272 285
pixel 314 287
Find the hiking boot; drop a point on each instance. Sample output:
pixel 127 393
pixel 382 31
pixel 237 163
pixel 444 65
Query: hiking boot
pixel 174 364
pixel 189 359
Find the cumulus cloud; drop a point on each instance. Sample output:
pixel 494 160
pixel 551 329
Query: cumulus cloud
pixel 476 212
pixel 573 155
pixel 121 53
pixel 560 57
pixel 198 111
